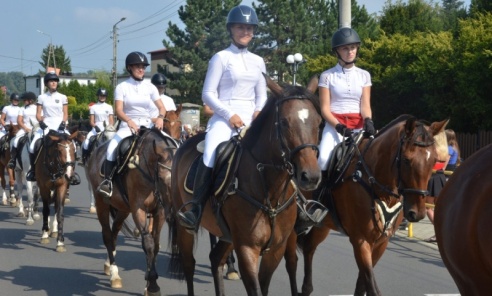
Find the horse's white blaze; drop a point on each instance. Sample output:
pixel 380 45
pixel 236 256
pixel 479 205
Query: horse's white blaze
pixel 303 114
pixel 69 159
pixel 428 154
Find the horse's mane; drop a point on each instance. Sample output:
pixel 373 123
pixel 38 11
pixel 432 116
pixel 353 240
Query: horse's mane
pixel 289 91
pixel 394 122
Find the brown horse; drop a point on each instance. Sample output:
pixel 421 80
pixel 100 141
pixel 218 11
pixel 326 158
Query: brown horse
pixel 5 143
pixel 462 224
pixel 142 190
pixel 385 179
pixel 55 165
pixel 259 214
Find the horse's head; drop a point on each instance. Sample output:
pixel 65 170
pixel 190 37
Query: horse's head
pixel 12 129
pixel 109 131
pixel 60 154
pixel 412 160
pixel 172 123
pixel 297 120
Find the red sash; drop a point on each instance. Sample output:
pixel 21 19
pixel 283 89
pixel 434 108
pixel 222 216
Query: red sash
pixel 351 120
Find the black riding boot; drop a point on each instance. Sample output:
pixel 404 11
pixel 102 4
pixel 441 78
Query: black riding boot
pixel 106 186
pixel 85 155
pixel 201 191
pixel 13 156
pixel 31 176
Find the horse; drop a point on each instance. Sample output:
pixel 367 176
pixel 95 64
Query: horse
pixel 23 165
pixel 279 154
pixel 462 224
pixel 55 166
pixel 142 190
pixel 4 161
pixel 385 178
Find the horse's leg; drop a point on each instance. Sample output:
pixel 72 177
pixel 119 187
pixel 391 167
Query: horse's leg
pixel 36 196
pixel 232 273
pixel 46 214
pixel 92 208
pixel 3 183
pixel 291 262
pixel 20 185
pixel 377 253
pixel 269 264
pixel 218 257
pixel 248 258
pixel 366 282
pixel 309 244
pixel 13 199
pixel 157 223
pixel 185 242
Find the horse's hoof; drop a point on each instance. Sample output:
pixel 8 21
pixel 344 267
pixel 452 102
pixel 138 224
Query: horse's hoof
pixel 45 241
pixel 233 276
pixel 21 214
pixel 92 210
pixel 136 233
pixel 67 200
pixel 4 202
pixel 29 222
pixel 61 249
pixel 107 269
pixel 36 216
pixel 147 293
pixel 116 284
pixel 54 234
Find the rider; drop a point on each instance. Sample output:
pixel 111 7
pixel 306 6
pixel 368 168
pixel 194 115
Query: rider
pixel 100 115
pixel 52 113
pixel 160 81
pixel 132 98
pixel 345 95
pixel 9 115
pixel 235 89
pixel 26 119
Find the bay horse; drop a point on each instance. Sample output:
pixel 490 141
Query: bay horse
pixel 279 154
pixel 6 140
pixel 462 224
pixel 142 190
pixel 55 165
pixel 385 179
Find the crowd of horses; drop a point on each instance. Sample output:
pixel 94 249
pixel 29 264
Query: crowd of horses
pixel 375 183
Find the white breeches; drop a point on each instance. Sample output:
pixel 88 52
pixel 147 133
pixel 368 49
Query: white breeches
pixel 123 132
pixel 85 145
pixel 15 140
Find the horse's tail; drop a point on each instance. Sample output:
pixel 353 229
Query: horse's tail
pixel 175 267
pixel 128 226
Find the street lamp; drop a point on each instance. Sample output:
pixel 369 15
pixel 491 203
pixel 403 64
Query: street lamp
pixel 50 51
pixel 115 41
pixel 295 60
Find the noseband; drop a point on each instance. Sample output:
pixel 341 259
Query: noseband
pixel 59 166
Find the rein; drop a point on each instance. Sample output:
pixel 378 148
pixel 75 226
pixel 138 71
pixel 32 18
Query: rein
pixel 57 164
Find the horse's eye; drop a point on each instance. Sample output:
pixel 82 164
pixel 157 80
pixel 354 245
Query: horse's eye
pixel 284 123
pixel 406 161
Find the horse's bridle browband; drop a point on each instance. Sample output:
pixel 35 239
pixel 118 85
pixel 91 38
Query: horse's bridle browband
pixel 60 167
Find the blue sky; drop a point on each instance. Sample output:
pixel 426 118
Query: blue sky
pixel 84 29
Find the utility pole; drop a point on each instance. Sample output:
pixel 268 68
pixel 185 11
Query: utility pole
pixel 51 51
pixel 115 42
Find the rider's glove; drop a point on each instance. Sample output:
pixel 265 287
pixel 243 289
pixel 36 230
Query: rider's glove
pixel 369 126
pixel 343 130
pixel 98 130
pixel 62 126
pixel 43 125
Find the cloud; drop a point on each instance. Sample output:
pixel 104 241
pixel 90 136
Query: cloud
pixel 102 15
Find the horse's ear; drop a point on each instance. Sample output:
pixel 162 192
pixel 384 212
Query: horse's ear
pixel 273 86
pixel 178 110
pixel 73 136
pixel 410 125
pixel 437 127
pixel 313 84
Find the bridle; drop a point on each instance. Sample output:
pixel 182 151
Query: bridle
pixel 56 166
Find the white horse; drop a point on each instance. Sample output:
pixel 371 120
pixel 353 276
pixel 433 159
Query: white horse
pixel 107 135
pixel 32 191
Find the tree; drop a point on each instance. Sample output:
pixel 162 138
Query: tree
pixel 191 48
pixel 62 62
pixel 452 10
pixel 480 6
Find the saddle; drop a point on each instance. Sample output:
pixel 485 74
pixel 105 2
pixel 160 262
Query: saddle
pixel 20 145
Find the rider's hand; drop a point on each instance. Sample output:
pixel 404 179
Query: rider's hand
pixel 62 126
pixel 159 123
pixel 343 130
pixel 369 126
pixel 43 125
pixel 132 125
pixel 236 121
pixel 98 130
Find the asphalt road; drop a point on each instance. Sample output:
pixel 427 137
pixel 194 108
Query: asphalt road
pixel 409 267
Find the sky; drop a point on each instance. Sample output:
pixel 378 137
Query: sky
pixel 84 28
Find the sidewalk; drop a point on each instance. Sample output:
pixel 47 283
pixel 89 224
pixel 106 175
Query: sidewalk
pixel 421 230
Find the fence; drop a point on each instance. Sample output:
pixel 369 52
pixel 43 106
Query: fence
pixel 470 143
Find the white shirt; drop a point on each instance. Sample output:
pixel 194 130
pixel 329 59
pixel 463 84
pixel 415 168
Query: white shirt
pixel 234 75
pixel 11 112
pixel 168 104
pixel 345 87
pixel 28 114
pixel 136 97
pixel 52 108
pixel 101 112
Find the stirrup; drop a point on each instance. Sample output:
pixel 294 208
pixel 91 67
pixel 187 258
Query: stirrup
pixel 314 210
pixel 106 193
pixel 11 164
pixel 75 179
pixel 30 176
pixel 185 221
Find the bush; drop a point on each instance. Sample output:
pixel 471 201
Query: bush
pixel 78 111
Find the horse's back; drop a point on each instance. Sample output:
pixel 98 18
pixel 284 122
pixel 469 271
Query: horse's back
pixel 462 223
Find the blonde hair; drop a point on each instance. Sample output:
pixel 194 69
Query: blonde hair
pixel 441 146
pixel 452 141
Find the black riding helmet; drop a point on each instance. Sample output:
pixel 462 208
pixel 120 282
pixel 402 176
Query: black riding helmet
pixel 102 92
pixel 159 79
pixel 242 14
pixel 50 76
pixel 14 96
pixel 134 58
pixel 28 96
pixel 344 36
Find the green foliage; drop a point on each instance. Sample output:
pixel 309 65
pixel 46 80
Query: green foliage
pixel 78 111
pixel 62 62
pixel 71 100
pixel 15 83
